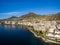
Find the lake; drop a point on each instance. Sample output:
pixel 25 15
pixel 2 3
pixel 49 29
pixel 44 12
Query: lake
pixel 18 35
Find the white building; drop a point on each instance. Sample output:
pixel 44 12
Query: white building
pixel 57 36
pixel 54 23
pixel 29 23
pixel 7 22
pixel 58 26
pixel 57 31
pixel 19 22
pixel 50 35
pixel 37 28
pixel 52 28
pixel 53 34
pixel 13 22
pixel 47 24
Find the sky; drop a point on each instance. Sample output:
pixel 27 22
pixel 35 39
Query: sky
pixel 17 8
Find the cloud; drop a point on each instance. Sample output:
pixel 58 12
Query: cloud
pixel 9 14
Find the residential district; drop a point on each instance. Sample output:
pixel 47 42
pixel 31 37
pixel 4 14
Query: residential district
pixel 52 28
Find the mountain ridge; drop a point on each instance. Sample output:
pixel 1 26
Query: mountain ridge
pixel 32 16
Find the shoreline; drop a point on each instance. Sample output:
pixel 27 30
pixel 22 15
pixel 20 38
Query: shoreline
pixel 45 40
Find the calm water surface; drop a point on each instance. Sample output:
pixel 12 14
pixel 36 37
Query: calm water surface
pixel 15 35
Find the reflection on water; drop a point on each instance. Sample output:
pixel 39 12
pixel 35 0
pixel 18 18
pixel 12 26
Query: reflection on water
pixel 13 35
pixel 9 26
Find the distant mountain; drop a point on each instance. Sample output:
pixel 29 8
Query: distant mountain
pixel 56 16
pixel 13 18
pixel 51 17
pixel 35 17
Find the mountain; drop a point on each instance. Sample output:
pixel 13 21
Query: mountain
pixel 13 18
pixel 51 17
pixel 30 17
pixel 56 16
pixel 35 17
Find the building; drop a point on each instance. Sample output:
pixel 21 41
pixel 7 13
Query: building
pixel 52 29
pixel 13 22
pixel 7 22
pixel 53 33
pixel 37 28
pixel 53 22
pixel 47 24
pixel 58 26
pixel 50 35
pixel 57 37
pixel 19 22
pixel 57 31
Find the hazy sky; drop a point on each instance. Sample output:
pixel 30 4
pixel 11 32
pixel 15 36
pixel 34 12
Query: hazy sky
pixel 10 8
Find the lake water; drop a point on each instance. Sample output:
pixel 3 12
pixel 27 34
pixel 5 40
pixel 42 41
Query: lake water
pixel 16 35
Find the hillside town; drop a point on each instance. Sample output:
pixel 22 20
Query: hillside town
pixel 52 28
